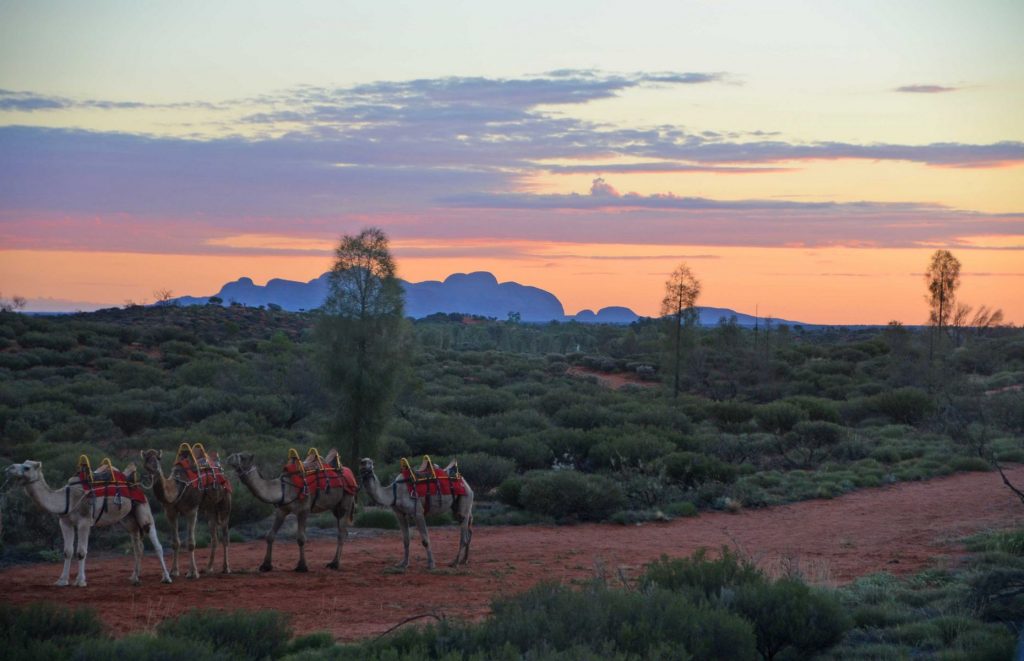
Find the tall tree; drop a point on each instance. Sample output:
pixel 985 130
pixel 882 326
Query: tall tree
pixel 681 292
pixel 361 335
pixel 943 279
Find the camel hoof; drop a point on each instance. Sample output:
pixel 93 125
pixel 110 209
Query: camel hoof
pixel 301 569
pixel 266 566
pixel 81 585
pixel 192 575
pixel 61 584
pixel 136 582
pixel 166 579
pixel 226 570
pixel 333 565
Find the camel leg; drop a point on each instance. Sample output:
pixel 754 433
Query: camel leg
pixel 300 539
pixel 225 541
pixel 83 550
pixel 67 531
pixel 465 536
pixel 172 517
pixel 213 524
pixel 421 525
pixel 341 516
pixel 135 537
pixel 190 523
pixel 403 523
pixel 150 528
pixel 279 517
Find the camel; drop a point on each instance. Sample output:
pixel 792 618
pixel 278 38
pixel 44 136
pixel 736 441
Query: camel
pixel 288 499
pixel 79 512
pixel 411 509
pixel 180 498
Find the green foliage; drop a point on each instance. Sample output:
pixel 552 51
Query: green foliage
pixel 568 495
pixel 792 617
pixel 361 337
pixel 698 576
pixel 376 517
pixel 244 634
pixel 811 440
pixel 45 630
pixel 779 417
pixel 485 472
pixel 692 469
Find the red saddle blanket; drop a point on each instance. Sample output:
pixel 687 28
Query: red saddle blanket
pixel 109 486
pixel 425 484
pixel 313 480
pixel 205 475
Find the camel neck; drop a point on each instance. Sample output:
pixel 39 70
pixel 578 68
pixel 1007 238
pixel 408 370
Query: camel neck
pixel 269 491
pixel 376 491
pixel 53 501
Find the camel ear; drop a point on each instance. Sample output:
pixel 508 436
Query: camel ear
pixel 34 464
pixel 159 454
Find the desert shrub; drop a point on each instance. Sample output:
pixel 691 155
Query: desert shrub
pixel 509 490
pixel 789 614
pixel 779 417
pixel 131 415
pixel 817 408
pixel 631 450
pixel 589 415
pixel 904 405
pixel 517 422
pixel 483 402
pixel 484 472
pixel 811 440
pixel 44 630
pixel 528 452
pixel 600 622
pixel 691 469
pixel 569 494
pixel 699 577
pixel 376 517
pixel 730 415
pixel 247 634
pixel 683 508
pixel 146 646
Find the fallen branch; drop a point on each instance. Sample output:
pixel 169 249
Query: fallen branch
pixel 433 614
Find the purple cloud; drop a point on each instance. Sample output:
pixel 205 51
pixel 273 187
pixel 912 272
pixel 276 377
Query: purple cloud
pixel 925 89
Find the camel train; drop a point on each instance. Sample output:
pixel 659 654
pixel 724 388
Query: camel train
pixel 197 484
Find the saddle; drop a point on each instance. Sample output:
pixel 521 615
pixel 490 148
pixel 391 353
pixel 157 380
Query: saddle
pixel 316 474
pixel 106 481
pixel 429 479
pixel 201 469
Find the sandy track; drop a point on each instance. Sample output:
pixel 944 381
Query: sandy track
pixel 899 528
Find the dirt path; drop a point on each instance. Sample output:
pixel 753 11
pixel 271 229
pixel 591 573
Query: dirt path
pixel 613 380
pixel 899 529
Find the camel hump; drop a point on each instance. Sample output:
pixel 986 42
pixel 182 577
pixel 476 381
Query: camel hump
pixel 314 461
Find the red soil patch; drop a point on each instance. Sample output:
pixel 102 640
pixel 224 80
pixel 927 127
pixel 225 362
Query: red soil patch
pixel 610 380
pixel 900 528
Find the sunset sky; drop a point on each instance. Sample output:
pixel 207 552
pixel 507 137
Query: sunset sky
pixel 803 157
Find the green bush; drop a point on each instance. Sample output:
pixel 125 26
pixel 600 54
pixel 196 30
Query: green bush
pixel 376 517
pixel 904 405
pixel 779 417
pixel 629 451
pixel 569 494
pixel 789 615
pixel 731 414
pixel 699 577
pixel 44 630
pixel 484 472
pixel 246 634
pixel 810 441
pixel 692 469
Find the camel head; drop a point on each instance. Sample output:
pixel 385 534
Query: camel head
pixel 25 472
pixel 365 467
pixel 242 462
pixel 151 460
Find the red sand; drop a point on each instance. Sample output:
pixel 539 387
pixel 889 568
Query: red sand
pixel 899 528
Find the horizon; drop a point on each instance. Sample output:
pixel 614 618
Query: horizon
pixel 805 162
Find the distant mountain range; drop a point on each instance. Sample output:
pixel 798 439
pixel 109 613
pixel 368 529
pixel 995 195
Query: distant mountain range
pixel 477 293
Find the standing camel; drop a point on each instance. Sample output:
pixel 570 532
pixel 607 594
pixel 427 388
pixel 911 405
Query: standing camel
pixel 412 509
pixel 280 492
pixel 78 511
pixel 182 497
